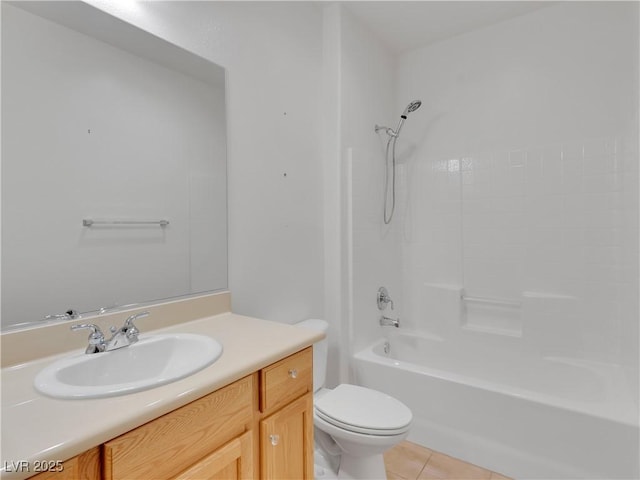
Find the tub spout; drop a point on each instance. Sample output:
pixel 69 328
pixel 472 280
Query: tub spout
pixel 389 322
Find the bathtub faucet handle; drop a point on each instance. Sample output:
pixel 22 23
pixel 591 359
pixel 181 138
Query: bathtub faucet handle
pixel 383 299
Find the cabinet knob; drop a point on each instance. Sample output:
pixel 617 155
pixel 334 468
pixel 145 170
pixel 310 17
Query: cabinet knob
pixel 274 439
pixel 293 373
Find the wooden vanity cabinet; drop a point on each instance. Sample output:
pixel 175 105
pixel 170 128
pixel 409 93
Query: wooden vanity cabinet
pixel 286 427
pixel 260 426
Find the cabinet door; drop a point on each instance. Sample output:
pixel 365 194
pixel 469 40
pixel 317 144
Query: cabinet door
pixel 286 442
pixel 233 461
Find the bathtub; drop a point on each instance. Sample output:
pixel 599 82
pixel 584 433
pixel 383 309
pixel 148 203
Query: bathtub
pixel 527 417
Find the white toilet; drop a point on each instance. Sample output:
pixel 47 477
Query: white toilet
pixel 353 425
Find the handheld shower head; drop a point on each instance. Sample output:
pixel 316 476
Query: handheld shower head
pixel 412 107
pixel 391 148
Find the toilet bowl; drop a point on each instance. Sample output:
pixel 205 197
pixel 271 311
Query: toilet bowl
pixel 354 423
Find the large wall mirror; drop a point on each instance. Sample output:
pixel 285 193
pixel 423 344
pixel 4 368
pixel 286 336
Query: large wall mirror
pixel 113 165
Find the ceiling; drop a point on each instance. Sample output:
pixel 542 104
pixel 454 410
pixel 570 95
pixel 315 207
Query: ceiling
pixel 405 25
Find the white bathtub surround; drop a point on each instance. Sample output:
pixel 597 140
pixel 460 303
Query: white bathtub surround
pixel 525 176
pixel 576 245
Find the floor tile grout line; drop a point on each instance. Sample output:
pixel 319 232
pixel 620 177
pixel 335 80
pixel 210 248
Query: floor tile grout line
pixel 425 465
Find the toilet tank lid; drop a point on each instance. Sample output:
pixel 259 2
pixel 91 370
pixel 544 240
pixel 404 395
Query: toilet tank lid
pixel 316 324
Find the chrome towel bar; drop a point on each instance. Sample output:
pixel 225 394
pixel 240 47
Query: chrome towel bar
pixel 88 222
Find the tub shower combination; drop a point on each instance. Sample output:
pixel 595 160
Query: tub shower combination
pixel 538 384
pixel 527 417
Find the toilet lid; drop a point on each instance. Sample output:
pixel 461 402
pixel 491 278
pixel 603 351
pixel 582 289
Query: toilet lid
pixel 363 408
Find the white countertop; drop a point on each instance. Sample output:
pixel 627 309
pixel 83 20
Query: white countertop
pixel 36 427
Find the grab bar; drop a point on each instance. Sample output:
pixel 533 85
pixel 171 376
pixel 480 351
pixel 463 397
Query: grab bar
pixel 88 222
pixel 491 301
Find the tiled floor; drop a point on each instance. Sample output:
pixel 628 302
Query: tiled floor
pixel 409 461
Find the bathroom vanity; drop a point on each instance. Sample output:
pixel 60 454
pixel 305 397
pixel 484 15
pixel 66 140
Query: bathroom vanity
pixel 248 415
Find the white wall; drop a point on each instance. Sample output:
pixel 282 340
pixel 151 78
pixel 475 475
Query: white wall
pixel 358 91
pixel 273 55
pixel 371 254
pixel 524 182
pixel 92 131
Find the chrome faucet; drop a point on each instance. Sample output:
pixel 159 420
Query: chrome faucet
pixel 69 314
pixel 122 337
pixel 389 322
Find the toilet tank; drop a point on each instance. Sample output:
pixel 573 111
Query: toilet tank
pixel 320 351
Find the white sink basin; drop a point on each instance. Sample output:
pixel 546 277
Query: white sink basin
pixel 152 361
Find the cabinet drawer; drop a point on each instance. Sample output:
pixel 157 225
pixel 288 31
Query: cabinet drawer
pixel 172 443
pixel 286 380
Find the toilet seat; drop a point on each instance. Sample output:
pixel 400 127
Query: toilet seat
pixel 355 429
pixel 363 410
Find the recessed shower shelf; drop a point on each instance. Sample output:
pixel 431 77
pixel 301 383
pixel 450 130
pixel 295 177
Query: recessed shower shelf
pixel 496 316
pixel 492 301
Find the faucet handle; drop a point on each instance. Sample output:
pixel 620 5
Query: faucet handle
pixel 96 337
pixel 383 298
pixel 129 327
pixel 95 334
